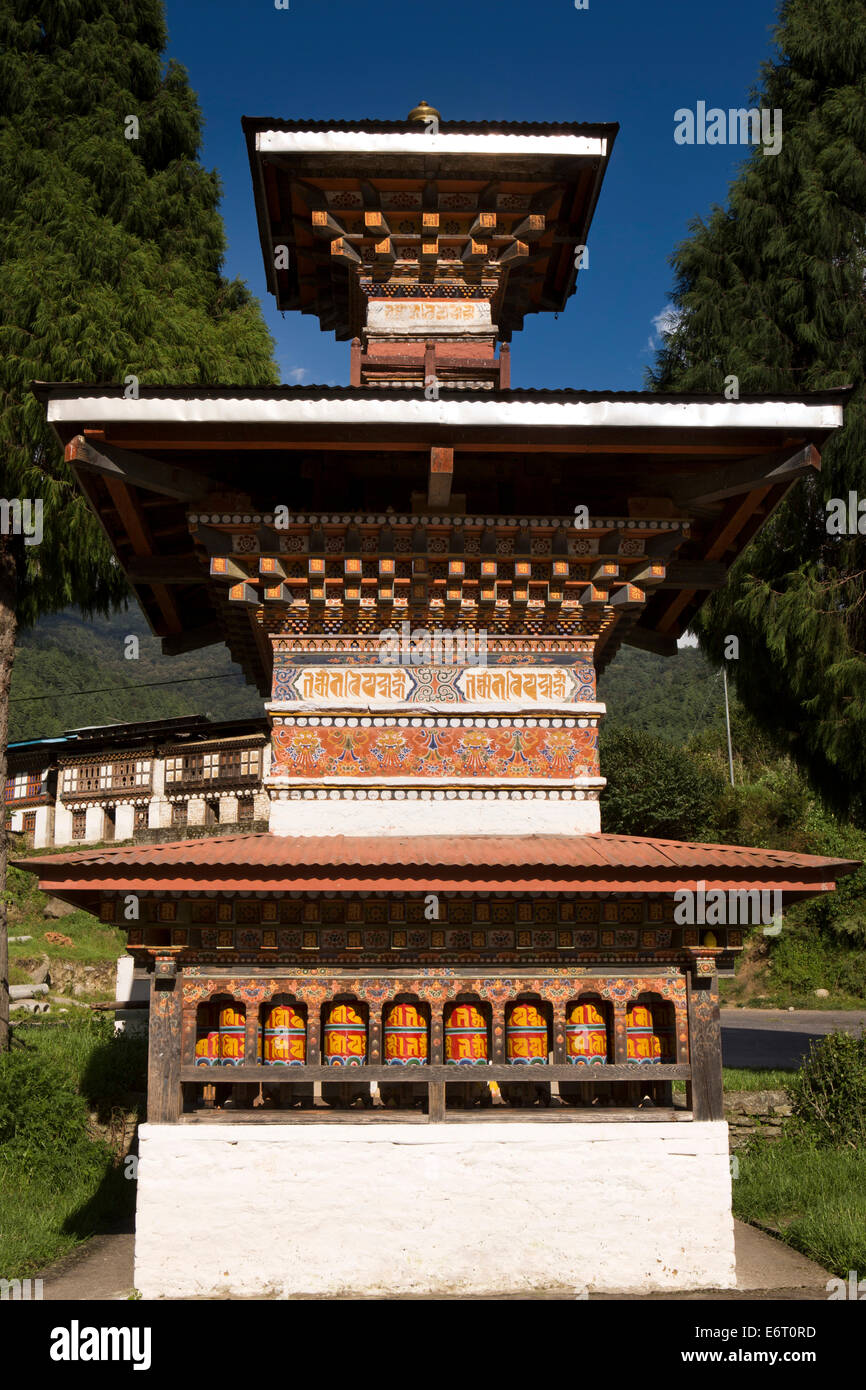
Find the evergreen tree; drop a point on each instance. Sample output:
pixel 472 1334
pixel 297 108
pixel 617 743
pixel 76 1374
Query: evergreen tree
pixel 771 289
pixel 111 250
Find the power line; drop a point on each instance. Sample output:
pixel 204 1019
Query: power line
pixel 120 689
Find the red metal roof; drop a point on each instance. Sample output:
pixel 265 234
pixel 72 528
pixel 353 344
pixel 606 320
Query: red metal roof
pixel 512 862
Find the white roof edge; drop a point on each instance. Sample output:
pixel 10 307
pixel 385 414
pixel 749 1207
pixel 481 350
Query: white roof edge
pixel 420 142
pixel 479 413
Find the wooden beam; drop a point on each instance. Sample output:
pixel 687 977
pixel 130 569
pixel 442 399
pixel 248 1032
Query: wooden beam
pixel 683 575
pixel 738 478
pixel 139 470
pixel 193 640
pixel 164 1098
pixel 140 537
pixel 440 477
pixel 648 641
pixel 705 1049
pixel 158 569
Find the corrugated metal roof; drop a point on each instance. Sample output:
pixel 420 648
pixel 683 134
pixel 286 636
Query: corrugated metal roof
pixel 65 390
pixel 579 852
pixel 374 126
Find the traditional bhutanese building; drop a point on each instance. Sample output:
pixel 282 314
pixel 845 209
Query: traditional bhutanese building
pixel 140 781
pixel 424 573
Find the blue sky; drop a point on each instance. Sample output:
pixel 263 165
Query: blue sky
pixel 631 61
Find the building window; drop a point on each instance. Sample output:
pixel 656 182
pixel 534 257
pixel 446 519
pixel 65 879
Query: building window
pixel 109 825
pixel 178 813
pixel 28 827
pixel 141 818
pixel 211 813
pixel 79 825
pixel 34 784
pixel 245 808
pixel 239 762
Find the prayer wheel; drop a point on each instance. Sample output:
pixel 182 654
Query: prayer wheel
pixel 232 1033
pixel 526 1035
pixel 405 1036
pixel 465 1036
pixel 406 1044
pixel 466 1046
pixel 586 1035
pixel 285 1037
pixel 642 1043
pixel 585 1046
pixel 207 1048
pixel 345 1037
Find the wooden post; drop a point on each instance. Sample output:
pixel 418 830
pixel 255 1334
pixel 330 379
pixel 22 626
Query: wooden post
pixel 164 1097
pixel 498 1031
pixel 313 1035
pixel 560 1018
pixel 375 1032
pixel 355 362
pixel 504 366
pixel 620 1043
pixel 705 1038
pixel 435 1101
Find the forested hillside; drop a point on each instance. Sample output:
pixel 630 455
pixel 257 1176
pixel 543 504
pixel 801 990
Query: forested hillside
pixel 69 673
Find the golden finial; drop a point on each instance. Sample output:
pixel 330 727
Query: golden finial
pixel 423 113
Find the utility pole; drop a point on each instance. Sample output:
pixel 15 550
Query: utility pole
pixel 728 723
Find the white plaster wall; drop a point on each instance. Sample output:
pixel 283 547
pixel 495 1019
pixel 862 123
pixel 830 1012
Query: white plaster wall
pixel 158 813
pixel 62 824
pixel 44 827
pixel 195 812
pixel 343 1209
pixel 228 810
pixel 17 822
pixel 94 825
pixel 124 821
pixel 473 816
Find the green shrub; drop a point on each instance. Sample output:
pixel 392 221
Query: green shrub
pixel 828 1094
pixel 654 788
pixel 44 1123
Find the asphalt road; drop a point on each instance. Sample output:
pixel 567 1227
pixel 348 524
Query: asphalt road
pixel 774 1038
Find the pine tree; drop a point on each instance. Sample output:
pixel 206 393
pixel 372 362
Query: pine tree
pixel 771 289
pixel 111 251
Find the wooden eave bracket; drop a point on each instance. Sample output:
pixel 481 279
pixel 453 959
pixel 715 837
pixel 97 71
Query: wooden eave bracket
pixel 753 473
pixel 138 470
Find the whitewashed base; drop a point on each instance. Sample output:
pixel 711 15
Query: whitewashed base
pixel 478 815
pixel 265 1211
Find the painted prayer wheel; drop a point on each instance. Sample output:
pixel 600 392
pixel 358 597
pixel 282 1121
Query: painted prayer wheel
pixel 345 1046
pixel 405 1036
pixel 345 1037
pixel 465 1036
pixel 232 1032
pixel 585 1046
pixel 586 1035
pixel 285 1036
pixel 526 1035
pixel 466 1046
pixel 207 1048
pixel 406 1044
pixel 642 1043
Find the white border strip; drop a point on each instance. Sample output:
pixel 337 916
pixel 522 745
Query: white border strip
pixel 648 414
pixel 420 142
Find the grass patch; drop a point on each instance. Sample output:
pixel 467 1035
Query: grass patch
pixel 92 940
pixel 749 1079
pixel 61 1179
pixel 815 1199
pixel 756 1078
